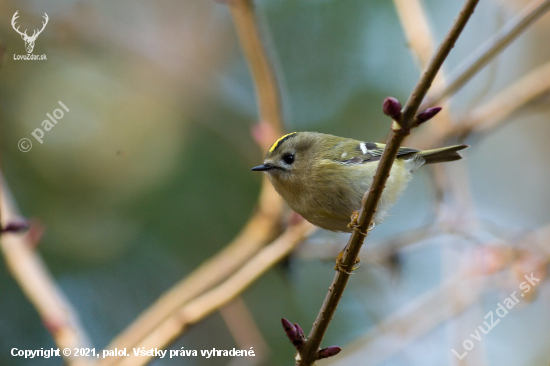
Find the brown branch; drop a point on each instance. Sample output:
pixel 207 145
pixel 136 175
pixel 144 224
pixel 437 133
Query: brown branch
pixel 209 302
pixel 38 285
pixel 487 116
pixel 416 27
pixel 485 53
pixel 309 353
pixel 421 41
pixel 414 22
pixel 242 12
pixel 259 230
pixel 422 44
pixel 244 330
pixel 494 112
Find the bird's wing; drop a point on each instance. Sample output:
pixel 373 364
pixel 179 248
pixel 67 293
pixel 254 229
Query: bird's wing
pixel 357 152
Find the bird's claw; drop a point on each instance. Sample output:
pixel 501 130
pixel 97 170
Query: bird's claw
pixel 354 217
pixel 355 226
pixel 340 267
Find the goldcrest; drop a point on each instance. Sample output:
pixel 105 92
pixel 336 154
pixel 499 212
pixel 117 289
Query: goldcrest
pixel 324 177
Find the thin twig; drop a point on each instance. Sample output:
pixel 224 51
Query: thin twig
pixel 422 44
pixel 525 90
pixel 378 252
pixel 209 302
pixel 417 30
pixel 246 25
pixel 494 112
pixel 449 299
pixel 417 318
pixel 444 185
pixel 259 230
pixel 308 354
pixel 244 330
pixel 485 53
pixel 38 285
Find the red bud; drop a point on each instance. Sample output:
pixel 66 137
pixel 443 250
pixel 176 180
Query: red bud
pixel 427 114
pixel 329 352
pixel 290 330
pixel 392 108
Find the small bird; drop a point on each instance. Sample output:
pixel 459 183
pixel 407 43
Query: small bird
pixel 324 177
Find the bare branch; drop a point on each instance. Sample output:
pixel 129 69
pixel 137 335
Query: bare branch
pixel 451 298
pixel 525 90
pixel 259 230
pixel 490 114
pixel 209 302
pixel 27 268
pixel 400 129
pixel 244 330
pixel 418 317
pixel 421 41
pixel 242 12
pixel 479 58
pixel 416 27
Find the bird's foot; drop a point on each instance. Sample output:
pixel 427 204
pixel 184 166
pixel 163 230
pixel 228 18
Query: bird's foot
pixel 341 267
pixel 355 226
pixel 354 217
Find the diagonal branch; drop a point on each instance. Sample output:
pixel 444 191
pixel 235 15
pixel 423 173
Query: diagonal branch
pixel 260 229
pixel 525 90
pixel 204 305
pixel 308 354
pixel 415 25
pixel 491 114
pixel 449 299
pixel 27 268
pixel 417 318
pixel 485 53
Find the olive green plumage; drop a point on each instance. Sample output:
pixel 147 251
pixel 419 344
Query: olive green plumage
pixel 324 177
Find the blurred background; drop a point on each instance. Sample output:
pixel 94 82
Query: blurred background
pixel 148 175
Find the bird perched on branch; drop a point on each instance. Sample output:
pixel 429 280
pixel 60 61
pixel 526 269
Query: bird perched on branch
pixel 324 177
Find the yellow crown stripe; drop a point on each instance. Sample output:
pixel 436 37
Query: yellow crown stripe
pixel 274 146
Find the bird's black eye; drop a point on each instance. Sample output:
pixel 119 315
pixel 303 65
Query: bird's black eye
pixel 288 158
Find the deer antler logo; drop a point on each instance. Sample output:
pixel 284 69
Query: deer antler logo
pixel 29 41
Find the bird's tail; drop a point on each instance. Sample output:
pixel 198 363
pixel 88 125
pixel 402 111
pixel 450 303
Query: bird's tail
pixel 449 153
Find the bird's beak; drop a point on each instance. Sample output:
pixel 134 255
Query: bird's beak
pixel 263 168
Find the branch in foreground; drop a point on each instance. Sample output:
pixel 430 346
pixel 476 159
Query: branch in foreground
pixel 421 40
pixel 27 268
pixel 400 129
pixel 209 302
pixel 297 337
